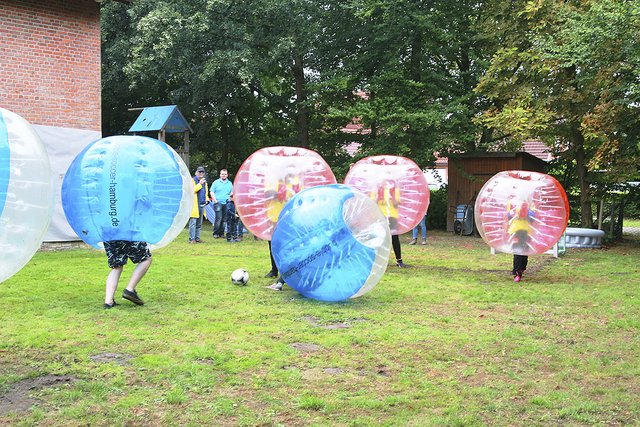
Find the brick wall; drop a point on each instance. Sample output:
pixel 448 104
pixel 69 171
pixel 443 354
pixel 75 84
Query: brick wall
pixel 50 61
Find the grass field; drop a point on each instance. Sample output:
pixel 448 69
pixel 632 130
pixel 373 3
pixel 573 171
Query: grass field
pixel 450 341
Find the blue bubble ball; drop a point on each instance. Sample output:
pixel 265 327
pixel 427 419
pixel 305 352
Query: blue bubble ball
pixel 127 188
pixel 331 243
pixel 26 192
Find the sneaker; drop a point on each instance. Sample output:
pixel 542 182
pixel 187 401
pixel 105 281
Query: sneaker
pixel 424 242
pixel 107 306
pixel 199 241
pixel 215 236
pixel 132 296
pixel 271 274
pixel 276 286
pixel 191 242
pixel 517 278
pixel 401 264
pixel 413 241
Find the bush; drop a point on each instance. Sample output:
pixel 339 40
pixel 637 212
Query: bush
pixel 437 214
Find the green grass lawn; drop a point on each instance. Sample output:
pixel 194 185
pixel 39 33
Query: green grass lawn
pixel 632 223
pixel 450 341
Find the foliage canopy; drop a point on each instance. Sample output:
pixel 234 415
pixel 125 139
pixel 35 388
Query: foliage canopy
pixel 419 77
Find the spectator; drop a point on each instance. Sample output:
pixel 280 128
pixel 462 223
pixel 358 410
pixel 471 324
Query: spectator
pixel 232 226
pixel 424 232
pixel 221 190
pixel 200 199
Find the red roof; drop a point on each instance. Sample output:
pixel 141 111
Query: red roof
pixel 533 147
pixel 538 149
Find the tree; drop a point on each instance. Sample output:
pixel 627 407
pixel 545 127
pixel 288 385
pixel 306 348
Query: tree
pixel 241 71
pixel 417 62
pixel 567 72
pixel 269 72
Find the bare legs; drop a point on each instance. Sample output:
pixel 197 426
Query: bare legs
pixel 114 277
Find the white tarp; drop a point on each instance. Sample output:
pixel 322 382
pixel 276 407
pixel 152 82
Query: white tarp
pixel 62 145
pixel 436 177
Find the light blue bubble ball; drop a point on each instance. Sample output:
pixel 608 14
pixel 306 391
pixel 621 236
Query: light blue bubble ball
pixel 331 243
pixel 127 188
pixel 26 192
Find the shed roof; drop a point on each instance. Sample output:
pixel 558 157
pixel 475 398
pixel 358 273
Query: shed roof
pixel 166 117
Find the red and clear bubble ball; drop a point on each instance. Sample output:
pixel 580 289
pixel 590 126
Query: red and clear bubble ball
pixel 521 212
pixel 397 185
pixel 269 178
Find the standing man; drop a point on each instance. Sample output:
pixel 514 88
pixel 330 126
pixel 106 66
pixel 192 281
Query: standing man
pixel 221 190
pixel 200 191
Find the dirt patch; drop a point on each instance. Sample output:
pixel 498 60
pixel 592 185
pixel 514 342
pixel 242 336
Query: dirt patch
pixel 63 246
pixel 314 321
pixel 117 358
pixel 303 347
pixel 319 373
pixel 382 371
pixel 19 397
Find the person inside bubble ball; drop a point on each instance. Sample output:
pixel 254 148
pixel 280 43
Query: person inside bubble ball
pixel 520 214
pixel 277 195
pixel 200 200
pixel 118 252
pixel 387 196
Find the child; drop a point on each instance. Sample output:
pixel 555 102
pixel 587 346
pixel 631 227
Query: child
pixel 519 266
pixel 232 227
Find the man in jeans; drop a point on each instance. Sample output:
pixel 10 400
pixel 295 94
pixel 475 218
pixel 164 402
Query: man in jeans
pixel 221 190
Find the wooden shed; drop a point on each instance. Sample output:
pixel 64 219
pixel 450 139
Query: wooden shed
pixel 469 172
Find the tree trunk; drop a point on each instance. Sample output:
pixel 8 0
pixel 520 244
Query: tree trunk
pixel 586 218
pixel 302 117
pixel 224 131
pixel 415 62
pixel 620 222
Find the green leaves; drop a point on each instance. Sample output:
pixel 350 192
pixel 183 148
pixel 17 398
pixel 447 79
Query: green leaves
pixel 436 75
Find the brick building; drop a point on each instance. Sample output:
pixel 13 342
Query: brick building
pixel 50 75
pixel 50 67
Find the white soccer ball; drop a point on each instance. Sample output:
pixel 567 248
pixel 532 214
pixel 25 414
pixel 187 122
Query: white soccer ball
pixel 240 277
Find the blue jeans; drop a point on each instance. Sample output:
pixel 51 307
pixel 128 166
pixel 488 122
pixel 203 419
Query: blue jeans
pixel 232 227
pixel 240 229
pixel 195 226
pixel 424 229
pixel 221 210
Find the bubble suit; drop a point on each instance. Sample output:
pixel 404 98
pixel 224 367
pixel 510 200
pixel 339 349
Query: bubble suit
pixel 269 178
pixel 521 212
pixel 331 243
pixel 127 188
pixel 397 185
pixel 26 189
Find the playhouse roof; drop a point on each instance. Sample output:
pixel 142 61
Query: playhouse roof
pixel 166 117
